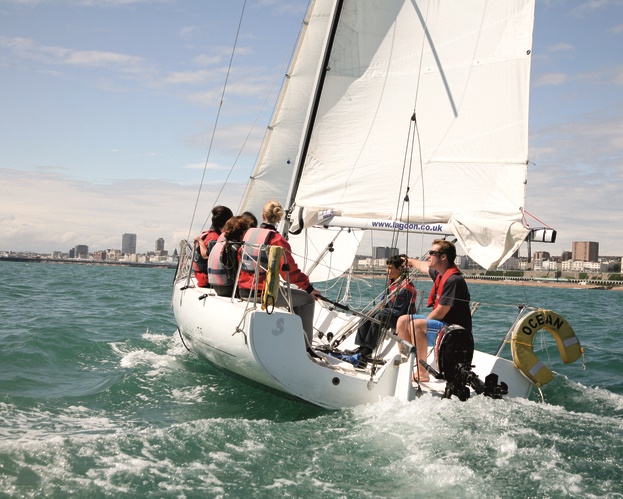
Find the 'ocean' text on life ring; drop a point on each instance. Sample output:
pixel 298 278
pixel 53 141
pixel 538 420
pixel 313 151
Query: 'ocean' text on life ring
pixel 522 342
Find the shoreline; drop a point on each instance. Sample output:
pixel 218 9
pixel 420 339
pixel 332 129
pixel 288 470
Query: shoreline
pixel 501 281
pixel 534 282
pixel 546 284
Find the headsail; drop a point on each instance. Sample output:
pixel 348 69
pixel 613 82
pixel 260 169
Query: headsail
pixel 276 166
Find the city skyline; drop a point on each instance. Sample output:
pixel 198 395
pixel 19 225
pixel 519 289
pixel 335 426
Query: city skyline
pixel 581 248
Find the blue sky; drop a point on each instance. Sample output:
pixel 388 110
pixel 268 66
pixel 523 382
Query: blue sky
pixel 108 109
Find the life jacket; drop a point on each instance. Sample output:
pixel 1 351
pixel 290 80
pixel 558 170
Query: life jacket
pixel 217 271
pixel 440 281
pixel 200 264
pixel 404 284
pixel 253 254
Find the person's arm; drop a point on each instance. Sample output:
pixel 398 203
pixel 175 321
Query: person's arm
pixel 297 276
pixel 420 265
pixel 439 312
pixel 202 247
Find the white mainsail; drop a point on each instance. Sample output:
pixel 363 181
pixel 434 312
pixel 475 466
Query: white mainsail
pixel 461 69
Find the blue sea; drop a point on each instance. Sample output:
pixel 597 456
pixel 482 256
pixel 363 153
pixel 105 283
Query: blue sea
pixel 99 398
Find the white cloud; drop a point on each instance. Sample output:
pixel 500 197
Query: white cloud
pixel 43 211
pixel 618 75
pixel 209 166
pixel 617 29
pixel 592 5
pixel 549 79
pixel 577 179
pixel 190 77
pixel 26 48
pixel 561 47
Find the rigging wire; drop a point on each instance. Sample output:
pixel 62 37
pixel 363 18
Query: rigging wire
pixel 278 77
pixel 412 144
pixel 524 212
pixel 220 107
pixel 416 130
pixel 276 80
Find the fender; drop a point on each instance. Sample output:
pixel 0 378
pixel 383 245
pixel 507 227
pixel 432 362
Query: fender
pixel 522 344
pixel 271 291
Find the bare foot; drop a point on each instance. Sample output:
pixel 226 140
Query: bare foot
pixel 423 378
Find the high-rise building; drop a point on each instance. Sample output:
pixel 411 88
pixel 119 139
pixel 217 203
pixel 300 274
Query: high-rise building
pixel 128 244
pixel 585 251
pixel 81 251
pixel 159 245
pixel 384 252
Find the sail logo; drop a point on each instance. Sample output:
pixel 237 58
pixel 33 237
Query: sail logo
pixel 279 329
pixel 408 226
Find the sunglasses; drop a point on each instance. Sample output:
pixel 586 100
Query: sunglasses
pixel 436 253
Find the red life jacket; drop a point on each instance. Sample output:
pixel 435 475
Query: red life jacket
pixel 437 289
pixel 404 284
pixel 252 253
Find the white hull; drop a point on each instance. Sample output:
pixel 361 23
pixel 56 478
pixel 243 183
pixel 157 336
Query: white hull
pixel 269 349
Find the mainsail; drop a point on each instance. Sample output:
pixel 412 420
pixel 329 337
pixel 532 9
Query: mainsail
pixel 430 95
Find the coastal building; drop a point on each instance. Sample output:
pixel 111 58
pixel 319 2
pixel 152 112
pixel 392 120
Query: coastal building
pixel 159 245
pixel 128 244
pixel 81 251
pixel 585 251
pixel 546 265
pixel 385 252
pixel 160 251
pixel 113 255
pixel 511 264
pixel 542 255
pixel 466 263
pixel 582 266
pixel 99 255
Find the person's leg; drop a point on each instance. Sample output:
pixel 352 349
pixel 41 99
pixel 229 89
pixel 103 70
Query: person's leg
pixel 372 338
pixel 302 305
pixel 412 328
pixel 402 326
pixel 427 332
pixel 362 334
pixel 419 329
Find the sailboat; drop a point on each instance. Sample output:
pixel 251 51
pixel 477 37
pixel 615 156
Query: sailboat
pixel 403 116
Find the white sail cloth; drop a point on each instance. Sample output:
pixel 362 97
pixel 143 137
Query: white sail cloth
pixel 461 68
pixel 489 242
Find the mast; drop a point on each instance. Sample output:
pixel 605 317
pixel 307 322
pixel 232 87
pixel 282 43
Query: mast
pixel 312 116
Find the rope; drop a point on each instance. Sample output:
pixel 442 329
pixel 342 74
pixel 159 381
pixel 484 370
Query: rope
pixel 530 214
pixel 220 107
pixel 183 342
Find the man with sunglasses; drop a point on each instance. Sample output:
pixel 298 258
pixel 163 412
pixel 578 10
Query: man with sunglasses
pixel 449 298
